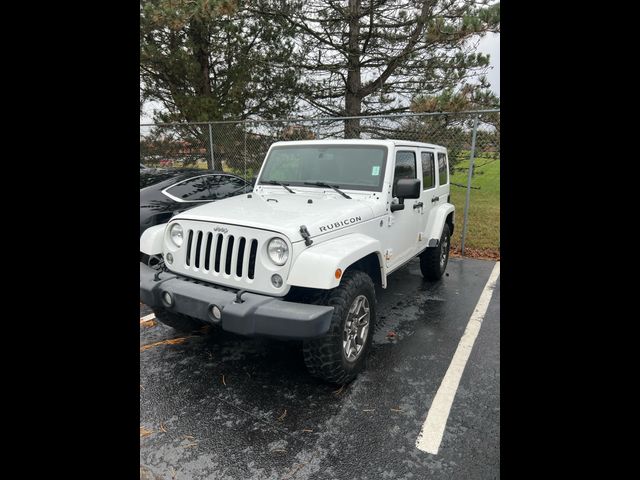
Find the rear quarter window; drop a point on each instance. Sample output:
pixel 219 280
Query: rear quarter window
pixel 428 170
pixel 443 168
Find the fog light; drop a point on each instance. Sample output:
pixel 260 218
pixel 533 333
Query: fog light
pixel 169 258
pixel 276 280
pixel 167 299
pixel 216 312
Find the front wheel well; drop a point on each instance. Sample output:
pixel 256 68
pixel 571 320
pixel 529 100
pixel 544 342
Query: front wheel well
pixel 369 265
pixel 449 221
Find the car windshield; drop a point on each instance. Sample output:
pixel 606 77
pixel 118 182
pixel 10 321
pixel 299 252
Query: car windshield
pixel 351 167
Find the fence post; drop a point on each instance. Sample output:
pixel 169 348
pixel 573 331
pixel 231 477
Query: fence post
pixel 466 202
pixel 245 151
pixel 213 164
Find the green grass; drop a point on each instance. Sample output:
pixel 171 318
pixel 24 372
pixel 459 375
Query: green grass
pixel 483 231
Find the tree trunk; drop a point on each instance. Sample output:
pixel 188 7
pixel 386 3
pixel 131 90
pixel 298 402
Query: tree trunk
pixel 200 38
pixel 353 100
pixel 353 105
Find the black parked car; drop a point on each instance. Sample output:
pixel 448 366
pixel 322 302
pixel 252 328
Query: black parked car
pixel 165 193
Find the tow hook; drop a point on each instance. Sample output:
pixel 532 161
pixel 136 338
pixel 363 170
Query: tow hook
pixel 161 267
pixel 239 296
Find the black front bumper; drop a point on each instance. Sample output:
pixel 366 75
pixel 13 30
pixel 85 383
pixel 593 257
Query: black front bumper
pixel 257 315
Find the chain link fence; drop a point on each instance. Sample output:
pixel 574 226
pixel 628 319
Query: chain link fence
pixel 472 140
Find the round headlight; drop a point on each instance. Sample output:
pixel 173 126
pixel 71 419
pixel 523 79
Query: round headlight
pixel 278 251
pixel 176 234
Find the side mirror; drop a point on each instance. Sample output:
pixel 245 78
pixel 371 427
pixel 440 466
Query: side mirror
pixel 408 188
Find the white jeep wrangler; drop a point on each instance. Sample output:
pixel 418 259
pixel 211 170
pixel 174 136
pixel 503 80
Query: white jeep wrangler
pixel 298 257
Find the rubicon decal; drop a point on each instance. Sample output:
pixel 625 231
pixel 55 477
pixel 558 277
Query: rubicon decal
pixel 341 223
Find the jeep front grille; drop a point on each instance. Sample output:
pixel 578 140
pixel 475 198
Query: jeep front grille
pixel 215 253
pixel 226 255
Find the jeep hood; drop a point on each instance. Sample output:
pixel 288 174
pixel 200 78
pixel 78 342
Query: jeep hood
pixel 285 213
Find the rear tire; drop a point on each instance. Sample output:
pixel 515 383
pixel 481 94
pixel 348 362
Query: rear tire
pixel 354 302
pixel 178 321
pixel 433 261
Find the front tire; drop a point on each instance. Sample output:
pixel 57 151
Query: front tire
pixel 178 321
pixel 433 261
pixel 341 354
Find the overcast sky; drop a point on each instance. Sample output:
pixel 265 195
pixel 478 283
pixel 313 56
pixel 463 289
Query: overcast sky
pixel 490 44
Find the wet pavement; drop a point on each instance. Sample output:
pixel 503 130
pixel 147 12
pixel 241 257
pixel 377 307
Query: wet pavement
pixel 220 406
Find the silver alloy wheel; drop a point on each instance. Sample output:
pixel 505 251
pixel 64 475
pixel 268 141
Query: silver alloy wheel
pixel 444 251
pixel 356 328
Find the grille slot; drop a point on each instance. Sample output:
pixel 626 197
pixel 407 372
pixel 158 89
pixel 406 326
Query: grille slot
pixel 241 245
pixel 252 258
pixel 189 247
pixel 218 250
pixel 198 247
pixel 207 256
pixel 220 254
pixel 227 264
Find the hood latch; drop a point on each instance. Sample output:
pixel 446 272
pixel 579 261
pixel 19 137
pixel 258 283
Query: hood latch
pixel 305 234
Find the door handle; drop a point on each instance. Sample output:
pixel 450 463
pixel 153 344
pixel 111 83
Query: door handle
pixel 417 205
pixel 435 199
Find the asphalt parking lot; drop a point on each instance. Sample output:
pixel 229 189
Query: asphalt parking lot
pixel 219 406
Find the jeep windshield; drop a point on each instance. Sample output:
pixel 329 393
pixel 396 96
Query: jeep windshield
pixel 349 167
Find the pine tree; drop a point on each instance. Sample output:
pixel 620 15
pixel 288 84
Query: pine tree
pixel 206 60
pixel 362 57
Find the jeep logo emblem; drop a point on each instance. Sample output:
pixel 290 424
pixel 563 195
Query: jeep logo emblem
pixel 341 223
pixel 220 229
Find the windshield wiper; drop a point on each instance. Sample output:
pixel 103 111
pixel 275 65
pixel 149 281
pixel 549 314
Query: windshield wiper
pixel 273 182
pixel 335 187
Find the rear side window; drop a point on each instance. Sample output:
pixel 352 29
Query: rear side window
pixel 208 187
pixel 443 168
pixel 229 186
pixel 428 170
pixel 405 167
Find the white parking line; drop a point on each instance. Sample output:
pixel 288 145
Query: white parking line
pixel 146 318
pixel 431 433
